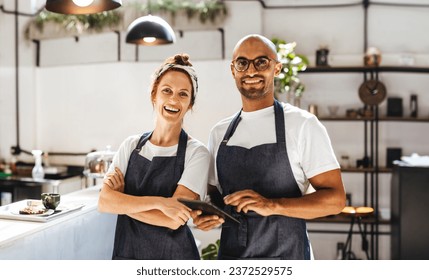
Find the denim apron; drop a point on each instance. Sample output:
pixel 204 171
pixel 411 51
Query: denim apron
pixel 159 177
pixel 266 170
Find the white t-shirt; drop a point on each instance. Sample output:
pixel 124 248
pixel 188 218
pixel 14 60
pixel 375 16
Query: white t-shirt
pixel 197 159
pixel 308 145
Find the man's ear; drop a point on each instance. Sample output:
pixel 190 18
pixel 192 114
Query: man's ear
pixel 278 69
pixel 232 69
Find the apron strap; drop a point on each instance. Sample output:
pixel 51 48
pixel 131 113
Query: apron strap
pixel 231 128
pixel 181 152
pixel 280 123
pixel 143 140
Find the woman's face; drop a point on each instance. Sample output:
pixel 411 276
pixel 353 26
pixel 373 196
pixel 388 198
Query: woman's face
pixel 173 96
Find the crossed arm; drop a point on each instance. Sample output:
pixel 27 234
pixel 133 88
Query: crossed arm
pixel 154 210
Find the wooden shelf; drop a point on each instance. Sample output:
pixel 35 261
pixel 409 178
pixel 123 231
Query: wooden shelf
pixel 403 119
pixel 365 69
pixel 366 169
pixel 343 219
pixel 382 119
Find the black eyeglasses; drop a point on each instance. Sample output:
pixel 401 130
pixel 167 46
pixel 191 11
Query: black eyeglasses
pixel 260 63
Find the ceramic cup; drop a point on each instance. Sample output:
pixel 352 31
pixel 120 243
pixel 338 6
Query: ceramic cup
pixel 51 200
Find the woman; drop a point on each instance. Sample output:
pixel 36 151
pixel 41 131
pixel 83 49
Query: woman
pixel 159 167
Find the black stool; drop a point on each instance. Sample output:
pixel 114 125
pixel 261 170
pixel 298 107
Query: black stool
pixel 356 214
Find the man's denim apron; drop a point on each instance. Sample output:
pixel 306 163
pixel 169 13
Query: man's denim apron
pixel 266 170
pixel 159 177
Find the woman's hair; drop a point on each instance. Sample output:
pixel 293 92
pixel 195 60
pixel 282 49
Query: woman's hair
pixel 179 63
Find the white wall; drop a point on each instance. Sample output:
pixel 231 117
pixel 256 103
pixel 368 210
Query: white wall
pixel 83 98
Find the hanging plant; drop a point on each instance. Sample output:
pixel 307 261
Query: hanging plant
pixel 208 10
pixel 76 23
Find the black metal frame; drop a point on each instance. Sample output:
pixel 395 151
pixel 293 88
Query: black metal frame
pixel 181 32
pixel 17 150
pixel 347 252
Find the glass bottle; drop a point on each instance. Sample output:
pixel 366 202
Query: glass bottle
pixel 38 173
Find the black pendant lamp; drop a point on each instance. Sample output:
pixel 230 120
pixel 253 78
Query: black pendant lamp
pixel 79 7
pixel 150 31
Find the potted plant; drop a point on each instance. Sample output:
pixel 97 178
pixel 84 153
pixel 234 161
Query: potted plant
pixel 211 251
pixel 288 82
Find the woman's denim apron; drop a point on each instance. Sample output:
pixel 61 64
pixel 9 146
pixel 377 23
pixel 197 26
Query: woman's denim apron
pixel 266 170
pixel 159 177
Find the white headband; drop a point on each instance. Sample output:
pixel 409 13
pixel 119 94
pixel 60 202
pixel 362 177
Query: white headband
pixel 191 72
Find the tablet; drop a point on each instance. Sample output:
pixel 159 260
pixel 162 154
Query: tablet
pixel 207 208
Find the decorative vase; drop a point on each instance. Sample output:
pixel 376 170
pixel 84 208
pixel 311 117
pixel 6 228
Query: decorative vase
pixel 297 100
pixel 38 173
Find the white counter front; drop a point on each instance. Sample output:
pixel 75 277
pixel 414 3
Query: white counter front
pixel 81 234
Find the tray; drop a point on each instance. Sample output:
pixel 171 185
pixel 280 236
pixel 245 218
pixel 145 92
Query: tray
pixel 11 211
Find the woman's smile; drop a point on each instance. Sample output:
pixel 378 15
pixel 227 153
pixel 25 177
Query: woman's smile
pixel 171 109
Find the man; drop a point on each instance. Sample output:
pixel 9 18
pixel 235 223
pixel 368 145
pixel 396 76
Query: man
pixel 263 161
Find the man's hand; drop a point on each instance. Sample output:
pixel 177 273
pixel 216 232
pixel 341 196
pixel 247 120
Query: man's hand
pixel 206 222
pixel 249 200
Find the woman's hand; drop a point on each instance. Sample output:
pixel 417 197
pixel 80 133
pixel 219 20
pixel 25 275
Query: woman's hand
pixel 206 222
pixel 115 180
pixel 175 210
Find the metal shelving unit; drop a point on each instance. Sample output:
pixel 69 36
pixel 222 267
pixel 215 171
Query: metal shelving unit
pixel 371 173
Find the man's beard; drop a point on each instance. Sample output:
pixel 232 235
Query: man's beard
pixel 253 94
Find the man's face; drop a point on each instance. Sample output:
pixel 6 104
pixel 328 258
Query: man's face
pixel 253 83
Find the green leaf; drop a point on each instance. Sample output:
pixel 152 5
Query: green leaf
pixel 292 64
pixel 211 251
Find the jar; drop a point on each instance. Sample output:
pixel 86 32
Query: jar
pixel 345 161
pixel 97 163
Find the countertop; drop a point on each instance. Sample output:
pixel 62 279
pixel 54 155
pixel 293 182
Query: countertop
pixel 81 234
